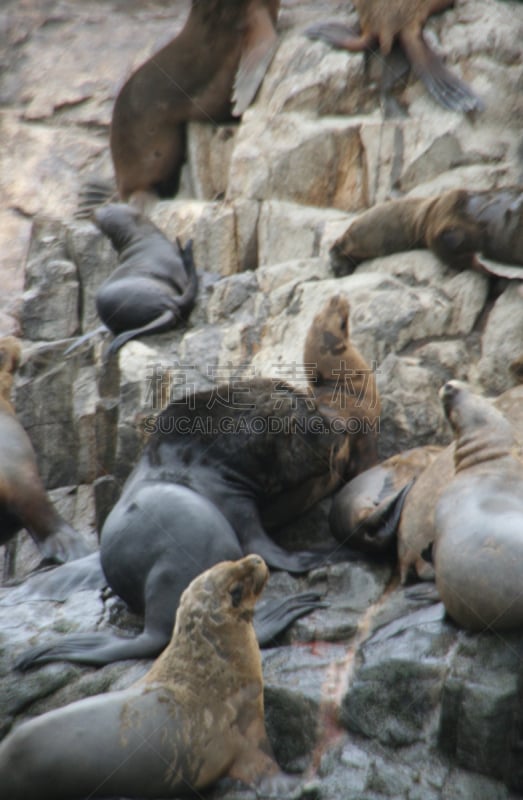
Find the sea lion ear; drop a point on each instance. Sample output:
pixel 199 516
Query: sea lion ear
pixel 258 47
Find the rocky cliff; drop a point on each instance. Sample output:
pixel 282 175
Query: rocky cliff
pixel 378 695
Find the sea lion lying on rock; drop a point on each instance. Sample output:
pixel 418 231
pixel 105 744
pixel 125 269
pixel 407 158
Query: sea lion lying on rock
pixel 365 513
pixel 456 225
pixel 155 285
pixel 416 531
pixel 212 462
pixel 195 717
pixel 23 500
pixel 383 21
pixel 478 552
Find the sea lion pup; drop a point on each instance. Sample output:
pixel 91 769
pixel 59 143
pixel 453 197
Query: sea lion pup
pixel 211 71
pixel 155 286
pixel 455 225
pixel 195 717
pixel 211 464
pixel 383 21
pixel 23 501
pixel 478 553
pixel 365 513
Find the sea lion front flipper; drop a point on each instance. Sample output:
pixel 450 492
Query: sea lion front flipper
pixel 443 85
pixel 259 45
pixel 273 617
pixel 489 267
pixel 343 37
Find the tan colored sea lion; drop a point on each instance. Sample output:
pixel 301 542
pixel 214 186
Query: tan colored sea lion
pixel 195 717
pixel 383 21
pixel 210 71
pixel 23 501
pixel 456 225
pixel 365 513
pixel 478 552
pixel 10 355
pixel 416 530
pixel 344 387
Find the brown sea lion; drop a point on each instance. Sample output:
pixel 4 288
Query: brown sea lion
pixel 23 501
pixel 195 717
pixel 343 384
pixel 155 285
pixel 416 530
pixel 210 71
pixel 456 225
pixel 478 553
pixel 365 513
pixel 213 461
pixel 383 22
pixel 10 355
pixel 344 387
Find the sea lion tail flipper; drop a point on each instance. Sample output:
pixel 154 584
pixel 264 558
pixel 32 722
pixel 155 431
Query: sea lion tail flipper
pixel 161 323
pixel 95 649
pixel 84 338
pixel 259 46
pixel 58 583
pixel 381 526
pixel 443 85
pixel 343 37
pixel 92 194
pixel 273 617
pixel 187 299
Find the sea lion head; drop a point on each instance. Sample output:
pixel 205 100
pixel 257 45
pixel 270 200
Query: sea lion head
pixel 118 221
pixel 349 249
pixel 224 593
pixel 453 231
pixel 481 430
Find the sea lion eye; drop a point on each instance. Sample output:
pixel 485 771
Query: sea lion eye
pixel 236 595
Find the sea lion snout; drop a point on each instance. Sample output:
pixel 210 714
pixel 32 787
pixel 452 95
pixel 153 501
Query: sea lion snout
pixel 341 262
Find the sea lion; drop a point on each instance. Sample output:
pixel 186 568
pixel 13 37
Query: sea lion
pixel 478 553
pixel 213 460
pixel 455 225
pixel 210 71
pixel 416 531
pixel 23 501
pixel 10 355
pixel 365 513
pixel 195 717
pixel 344 387
pixel 152 289
pixel 383 22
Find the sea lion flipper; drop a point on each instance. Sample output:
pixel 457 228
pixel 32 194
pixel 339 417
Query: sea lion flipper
pixel 274 617
pixel 259 45
pixel 443 85
pixel 165 320
pixel 342 37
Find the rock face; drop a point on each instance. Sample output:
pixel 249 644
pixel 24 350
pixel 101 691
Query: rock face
pixel 378 694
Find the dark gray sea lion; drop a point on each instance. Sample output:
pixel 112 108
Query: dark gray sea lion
pixel 195 717
pixel 23 500
pixel 478 552
pixel 365 513
pixel 416 531
pixel 210 71
pixel 456 225
pixel 213 461
pixel 384 21
pixel 153 289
